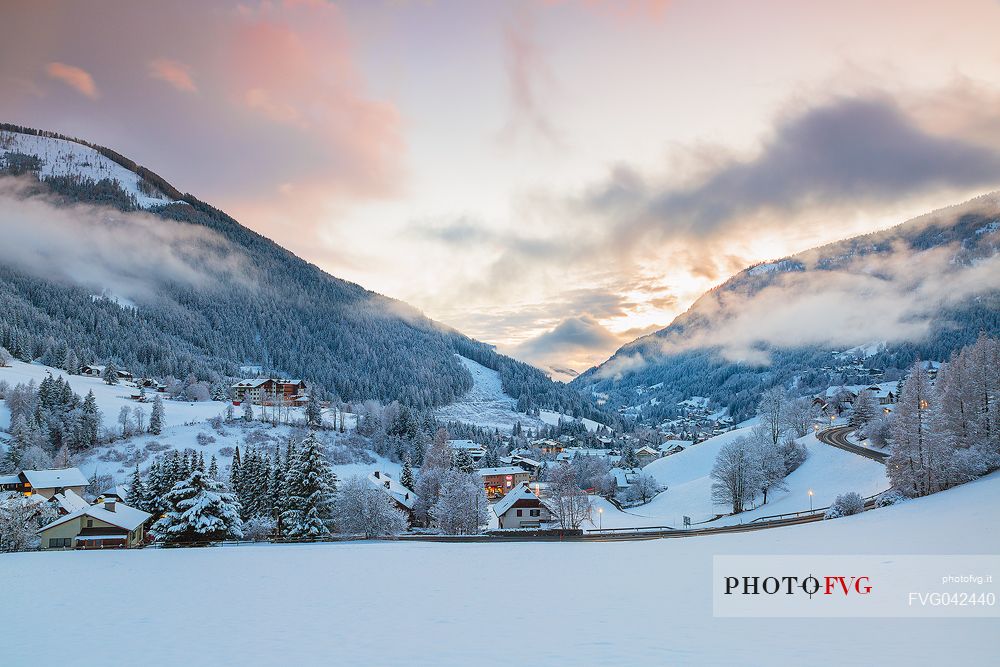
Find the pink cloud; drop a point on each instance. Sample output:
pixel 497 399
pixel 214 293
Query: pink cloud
pixel 176 74
pixel 73 77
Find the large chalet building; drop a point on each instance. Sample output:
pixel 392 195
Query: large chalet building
pixel 267 391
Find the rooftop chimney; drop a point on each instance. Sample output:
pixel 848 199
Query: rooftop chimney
pixel 109 504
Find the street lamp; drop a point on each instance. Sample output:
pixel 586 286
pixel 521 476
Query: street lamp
pixel 810 500
pixel 600 517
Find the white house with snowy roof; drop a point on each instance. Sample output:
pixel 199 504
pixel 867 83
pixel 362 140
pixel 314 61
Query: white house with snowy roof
pixel 45 483
pixel 404 497
pixel 475 450
pixel 521 508
pixel 108 525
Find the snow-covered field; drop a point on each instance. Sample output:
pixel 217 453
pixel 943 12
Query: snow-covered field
pixel 383 603
pixel 487 405
pixel 827 472
pixel 183 423
pixel 110 398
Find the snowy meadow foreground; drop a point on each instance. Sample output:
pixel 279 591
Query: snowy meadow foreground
pixel 386 603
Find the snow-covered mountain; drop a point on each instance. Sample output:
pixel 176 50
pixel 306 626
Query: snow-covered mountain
pixel 921 289
pixel 196 292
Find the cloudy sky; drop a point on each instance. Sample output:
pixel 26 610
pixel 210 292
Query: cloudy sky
pixel 555 177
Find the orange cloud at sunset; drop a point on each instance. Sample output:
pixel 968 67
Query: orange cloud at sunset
pixel 74 77
pixel 176 74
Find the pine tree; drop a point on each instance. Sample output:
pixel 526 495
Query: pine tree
pixel 236 472
pixel 137 493
pixel 406 475
pixel 110 375
pixel 200 510
pixel 314 413
pixel 156 416
pixel 864 409
pixel 90 422
pixel 213 468
pixel 311 486
pixel 71 364
pixel 463 461
pixel 248 410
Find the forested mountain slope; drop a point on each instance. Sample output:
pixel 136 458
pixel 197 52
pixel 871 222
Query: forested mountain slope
pixel 829 315
pixel 107 260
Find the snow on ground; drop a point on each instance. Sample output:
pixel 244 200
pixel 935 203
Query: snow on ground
pixel 110 398
pixel 552 418
pixel 68 158
pixel 119 459
pixel 487 405
pixel 827 472
pixel 386 603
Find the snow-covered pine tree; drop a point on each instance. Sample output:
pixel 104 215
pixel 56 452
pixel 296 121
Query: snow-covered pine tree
pixel 314 413
pixel 137 493
pixel 200 510
pixel 406 475
pixel 156 416
pixel 213 468
pixel 90 422
pixel 236 472
pixel 71 364
pixel 863 409
pixel 248 410
pixel 110 375
pixel 463 461
pixel 311 486
pixel 629 460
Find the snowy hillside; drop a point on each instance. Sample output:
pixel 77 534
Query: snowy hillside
pixel 827 472
pixel 486 405
pixel 110 398
pixel 60 157
pixel 657 611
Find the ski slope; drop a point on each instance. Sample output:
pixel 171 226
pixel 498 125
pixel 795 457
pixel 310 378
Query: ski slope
pixel 384 603
pixel 827 472
pixel 487 405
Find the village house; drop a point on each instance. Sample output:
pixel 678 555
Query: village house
pixel 521 508
pixel 266 391
pixel 404 498
pixel 499 481
pixel 475 450
pixel 646 454
pixel 109 525
pixel 549 446
pixel 674 446
pixel 95 371
pixel 45 483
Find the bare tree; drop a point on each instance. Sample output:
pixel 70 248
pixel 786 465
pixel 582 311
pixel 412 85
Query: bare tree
pixel 771 411
pixel 736 474
pixel 570 504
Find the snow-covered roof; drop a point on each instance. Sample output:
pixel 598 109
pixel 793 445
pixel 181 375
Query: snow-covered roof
pixel 881 390
pixel 401 494
pixel 465 444
pixel 10 479
pixel 504 470
pixel 69 501
pixel 124 516
pixel 51 479
pixel 646 449
pixel 519 492
pixel 670 444
pixel 120 491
